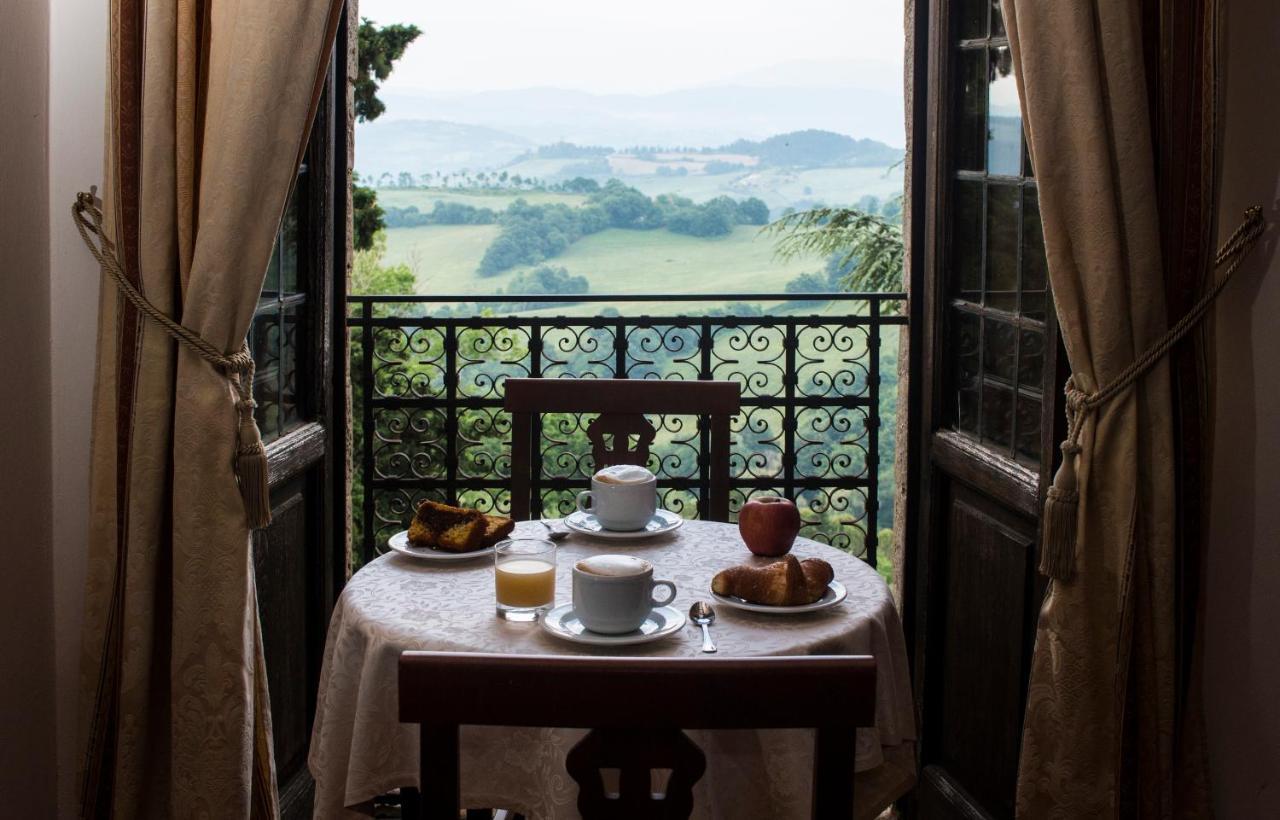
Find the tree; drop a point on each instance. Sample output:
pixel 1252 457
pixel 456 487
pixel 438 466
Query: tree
pixel 378 50
pixel 370 276
pixel 367 217
pixel 871 244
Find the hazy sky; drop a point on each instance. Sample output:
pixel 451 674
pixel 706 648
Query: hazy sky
pixel 638 47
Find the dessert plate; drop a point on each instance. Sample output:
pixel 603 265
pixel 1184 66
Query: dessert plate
pixel 400 543
pixel 835 594
pixel 661 523
pixel 563 623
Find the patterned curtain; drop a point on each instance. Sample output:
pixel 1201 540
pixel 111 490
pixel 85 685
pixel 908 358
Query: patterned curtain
pixel 1119 100
pixel 209 103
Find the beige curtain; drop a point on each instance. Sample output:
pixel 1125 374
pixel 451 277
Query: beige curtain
pixel 209 102
pixel 1103 731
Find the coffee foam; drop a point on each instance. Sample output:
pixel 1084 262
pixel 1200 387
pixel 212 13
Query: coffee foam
pixel 624 474
pixel 614 566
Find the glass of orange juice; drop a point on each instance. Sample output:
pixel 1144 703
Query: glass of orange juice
pixel 525 577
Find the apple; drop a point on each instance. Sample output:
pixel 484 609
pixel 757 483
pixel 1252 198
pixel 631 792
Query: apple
pixel 769 525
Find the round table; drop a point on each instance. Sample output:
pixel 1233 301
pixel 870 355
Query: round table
pixel 360 750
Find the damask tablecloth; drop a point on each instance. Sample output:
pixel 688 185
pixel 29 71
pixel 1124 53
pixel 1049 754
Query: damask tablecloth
pixel 360 750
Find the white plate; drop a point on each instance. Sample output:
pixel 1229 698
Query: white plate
pixel 563 623
pixel 400 543
pixel 835 594
pixel 587 524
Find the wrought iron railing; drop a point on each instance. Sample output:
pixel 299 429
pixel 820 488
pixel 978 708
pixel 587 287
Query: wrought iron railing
pixel 427 376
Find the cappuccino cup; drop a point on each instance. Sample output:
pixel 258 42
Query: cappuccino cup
pixel 613 594
pixel 622 497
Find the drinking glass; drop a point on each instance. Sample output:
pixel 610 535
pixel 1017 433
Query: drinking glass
pixel 524 577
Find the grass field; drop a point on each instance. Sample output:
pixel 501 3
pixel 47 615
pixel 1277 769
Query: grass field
pixel 445 257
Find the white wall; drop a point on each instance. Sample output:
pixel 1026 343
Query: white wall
pixel 77 85
pixel 1242 621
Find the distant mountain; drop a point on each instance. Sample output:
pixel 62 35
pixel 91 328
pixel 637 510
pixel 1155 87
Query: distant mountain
pixel 707 115
pixel 418 146
pixel 812 148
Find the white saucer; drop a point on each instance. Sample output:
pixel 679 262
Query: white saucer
pixel 587 524
pixel 835 594
pixel 400 543
pixel 563 623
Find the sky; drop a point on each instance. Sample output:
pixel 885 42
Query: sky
pixel 607 46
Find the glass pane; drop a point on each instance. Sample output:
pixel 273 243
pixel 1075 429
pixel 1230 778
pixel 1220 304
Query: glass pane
pixel 965 329
pixel 997 415
pixel 1003 204
pixel 1004 123
pixel 966 252
pixel 1035 267
pixel 972 19
pixel 998 350
pixel 292 336
pixel 264 342
pixel 997 19
pixel 1028 429
pixel 271 284
pixel 1031 359
pixel 287 245
pixel 971 126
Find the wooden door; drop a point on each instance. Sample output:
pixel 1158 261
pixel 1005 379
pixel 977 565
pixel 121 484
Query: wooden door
pixel 300 559
pixel 988 375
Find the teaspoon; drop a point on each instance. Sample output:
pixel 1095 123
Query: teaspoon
pixel 552 533
pixel 704 616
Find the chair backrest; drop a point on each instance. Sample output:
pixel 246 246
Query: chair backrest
pixel 659 697
pixel 621 434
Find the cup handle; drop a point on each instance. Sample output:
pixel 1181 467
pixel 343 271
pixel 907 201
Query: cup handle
pixel 671 589
pixel 581 501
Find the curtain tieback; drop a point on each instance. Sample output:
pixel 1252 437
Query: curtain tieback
pixel 1061 506
pixel 238 367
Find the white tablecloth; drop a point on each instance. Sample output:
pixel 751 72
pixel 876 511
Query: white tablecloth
pixel 360 750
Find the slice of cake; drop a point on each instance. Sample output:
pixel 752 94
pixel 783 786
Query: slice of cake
pixel 496 528
pixel 441 526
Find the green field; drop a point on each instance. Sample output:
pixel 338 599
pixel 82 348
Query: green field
pixel 444 259
pixel 426 198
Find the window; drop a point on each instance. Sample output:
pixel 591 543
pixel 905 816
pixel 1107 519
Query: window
pixel 998 279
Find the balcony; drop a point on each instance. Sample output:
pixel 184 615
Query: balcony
pixel 818 374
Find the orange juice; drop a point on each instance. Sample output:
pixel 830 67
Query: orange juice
pixel 526 582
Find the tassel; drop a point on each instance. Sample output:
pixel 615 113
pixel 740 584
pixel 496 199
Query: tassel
pixel 1058 540
pixel 251 470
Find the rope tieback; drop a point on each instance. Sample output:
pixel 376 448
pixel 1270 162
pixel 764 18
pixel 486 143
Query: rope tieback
pixel 1061 508
pixel 238 368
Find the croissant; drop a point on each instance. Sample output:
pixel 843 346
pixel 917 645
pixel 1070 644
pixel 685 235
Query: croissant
pixel 788 582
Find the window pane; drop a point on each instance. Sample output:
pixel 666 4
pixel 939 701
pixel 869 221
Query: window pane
pixel 972 22
pixel 966 252
pixel 997 415
pixel 271 284
pixel 1031 359
pixel 287 245
pixel 1003 205
pixel 1004 123
pixel 1028 429
pixel 998 350
pixel 971 125
pixel 264 341
pixel 293 334
pixel 997 19
pixel 965 329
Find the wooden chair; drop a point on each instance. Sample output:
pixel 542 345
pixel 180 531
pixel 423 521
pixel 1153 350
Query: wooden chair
pixel 659 697
pixel 622 405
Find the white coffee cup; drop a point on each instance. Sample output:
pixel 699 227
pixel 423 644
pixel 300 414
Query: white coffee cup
pixel 623 497
pixel 613 594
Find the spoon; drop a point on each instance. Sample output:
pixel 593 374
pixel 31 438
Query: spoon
pixel 552 533
pixel 704 616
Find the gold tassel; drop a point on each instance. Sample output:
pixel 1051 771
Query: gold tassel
pixel 251 471
pixel 1058 540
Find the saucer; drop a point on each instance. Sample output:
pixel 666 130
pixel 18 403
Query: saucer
pixel 400 543
pixel 587 524
pixel 563 623
pixel 835 594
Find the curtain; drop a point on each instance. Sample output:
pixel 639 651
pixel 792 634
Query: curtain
pixel 208 107
pixel 1121 130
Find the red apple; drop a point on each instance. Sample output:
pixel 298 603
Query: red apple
pixel 769 525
